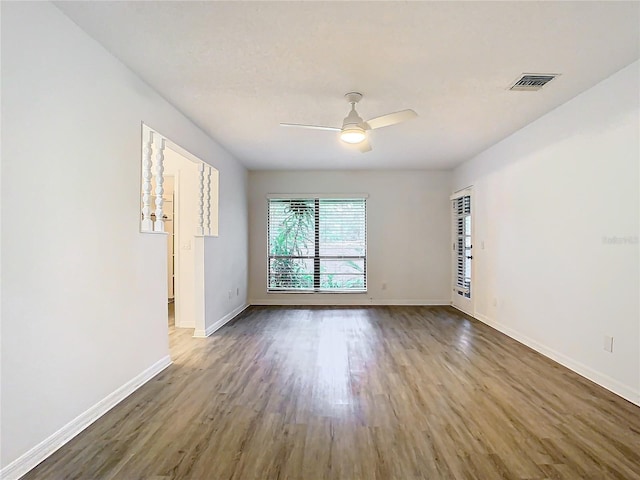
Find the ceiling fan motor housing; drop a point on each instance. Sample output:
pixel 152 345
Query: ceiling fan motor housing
pixel 353 119
pixel 353 126
pixel 353 130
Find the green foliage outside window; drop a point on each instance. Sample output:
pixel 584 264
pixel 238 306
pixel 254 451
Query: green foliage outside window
pixel 294 238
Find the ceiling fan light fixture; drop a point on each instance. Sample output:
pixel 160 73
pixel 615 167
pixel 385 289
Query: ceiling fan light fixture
pixel 353 135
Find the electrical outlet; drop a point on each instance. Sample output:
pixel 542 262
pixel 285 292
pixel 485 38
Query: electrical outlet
pixel 384 285
pixel 608 343
pixel 237 291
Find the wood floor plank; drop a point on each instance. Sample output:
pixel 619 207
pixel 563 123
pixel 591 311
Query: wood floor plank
pixel 348 393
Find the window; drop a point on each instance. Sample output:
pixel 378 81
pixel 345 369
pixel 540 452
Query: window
pixel 462 217
pixel 317 245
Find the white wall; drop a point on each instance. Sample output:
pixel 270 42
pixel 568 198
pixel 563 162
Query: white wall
pixel 226 256
pixel 546 200
pixel 78 279
pixel 408 236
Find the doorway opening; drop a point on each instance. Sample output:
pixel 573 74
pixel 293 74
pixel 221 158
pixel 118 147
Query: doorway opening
pixel 462 255
pixel 184 192
pixel 169 226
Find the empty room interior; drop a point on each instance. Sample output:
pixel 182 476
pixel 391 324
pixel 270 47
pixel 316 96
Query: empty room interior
pixel 320 240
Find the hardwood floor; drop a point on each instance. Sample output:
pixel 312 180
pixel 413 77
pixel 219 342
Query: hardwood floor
pixel 357 393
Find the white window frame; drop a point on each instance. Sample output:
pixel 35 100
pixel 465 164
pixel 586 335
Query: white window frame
pixel 316 289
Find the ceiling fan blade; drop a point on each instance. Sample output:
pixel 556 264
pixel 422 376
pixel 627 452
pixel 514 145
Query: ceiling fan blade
pixel 364 146
pixel 391 119
pixel 315 127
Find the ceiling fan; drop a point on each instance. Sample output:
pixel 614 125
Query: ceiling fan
pixel 354 129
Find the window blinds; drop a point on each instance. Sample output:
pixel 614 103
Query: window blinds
pixel 462 217
pixel 317 245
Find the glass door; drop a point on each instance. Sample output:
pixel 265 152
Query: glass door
pixel 462 258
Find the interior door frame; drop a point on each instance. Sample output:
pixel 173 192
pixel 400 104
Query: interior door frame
pixel 177 280
pixel 462 303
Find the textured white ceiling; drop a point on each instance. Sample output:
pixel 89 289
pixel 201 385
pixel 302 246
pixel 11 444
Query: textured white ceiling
pixel 237 69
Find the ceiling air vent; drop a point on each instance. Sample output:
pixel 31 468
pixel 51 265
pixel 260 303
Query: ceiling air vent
pixel 530 82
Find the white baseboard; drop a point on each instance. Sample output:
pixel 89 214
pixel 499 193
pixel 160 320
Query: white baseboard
pixel 325 300
pixel 462 310
pixel 600 378
pixel 409 302
pixel 220 323
pixel 47 447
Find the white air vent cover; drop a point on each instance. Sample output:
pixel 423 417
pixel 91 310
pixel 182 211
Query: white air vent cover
pixel 531 82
